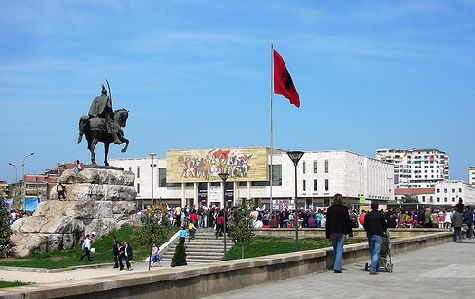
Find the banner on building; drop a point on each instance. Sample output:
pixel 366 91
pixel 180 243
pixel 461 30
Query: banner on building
pixel 30 204
pixel 205 165
pixel 203 192
pixel 281 204
pixel 362 199
pixel 215 193
pixel 229 192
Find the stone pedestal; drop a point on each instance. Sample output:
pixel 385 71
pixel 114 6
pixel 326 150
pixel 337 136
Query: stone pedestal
pixel 98 200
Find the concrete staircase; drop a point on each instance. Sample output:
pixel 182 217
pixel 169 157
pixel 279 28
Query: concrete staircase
pixel 203 249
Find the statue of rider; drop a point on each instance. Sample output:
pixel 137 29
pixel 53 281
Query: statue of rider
pixel 101 107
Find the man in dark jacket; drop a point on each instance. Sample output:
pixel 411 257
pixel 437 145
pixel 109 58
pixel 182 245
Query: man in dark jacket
pixel 337 226
pixel 468 221
pixel 115 252
pixel 129 255
pixel 375 227
pixel 457 221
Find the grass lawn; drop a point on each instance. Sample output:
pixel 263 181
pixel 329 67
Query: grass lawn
pixel 9 284
pixel 68 258
pixel 267 246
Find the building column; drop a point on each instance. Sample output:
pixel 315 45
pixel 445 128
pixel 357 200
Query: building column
pixel 183 197
pixel 209 186
pixel 195 195
pixel 248 196
pixel 235 192
pixel 222 201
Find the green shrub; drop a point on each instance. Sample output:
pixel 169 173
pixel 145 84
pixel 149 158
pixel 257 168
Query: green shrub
pixel 179 257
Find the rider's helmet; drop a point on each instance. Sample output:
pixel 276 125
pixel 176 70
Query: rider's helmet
pixel 103 91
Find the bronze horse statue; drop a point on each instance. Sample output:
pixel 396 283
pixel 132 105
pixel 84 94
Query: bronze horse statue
pixel 95 130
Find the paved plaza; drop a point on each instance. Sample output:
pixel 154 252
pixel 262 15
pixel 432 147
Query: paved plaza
pixel 442 271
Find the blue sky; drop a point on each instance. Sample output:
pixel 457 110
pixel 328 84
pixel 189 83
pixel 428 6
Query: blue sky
pixel 195 74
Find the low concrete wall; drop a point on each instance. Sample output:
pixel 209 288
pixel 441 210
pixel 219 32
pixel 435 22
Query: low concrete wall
pixel 357 233
pixel 212 278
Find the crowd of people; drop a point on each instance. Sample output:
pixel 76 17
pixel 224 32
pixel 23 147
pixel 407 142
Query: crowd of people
pixel 16 214
pixel 213 217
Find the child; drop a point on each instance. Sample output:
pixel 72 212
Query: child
pixel 191 231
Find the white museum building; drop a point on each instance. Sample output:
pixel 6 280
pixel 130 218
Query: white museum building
pixel 190 177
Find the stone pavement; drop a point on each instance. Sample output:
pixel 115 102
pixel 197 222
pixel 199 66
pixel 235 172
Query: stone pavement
pixel 441 271
pixel 81 273
pixel 71 275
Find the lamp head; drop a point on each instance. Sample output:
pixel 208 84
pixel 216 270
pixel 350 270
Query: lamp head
pixel 224 176
pixel 295 156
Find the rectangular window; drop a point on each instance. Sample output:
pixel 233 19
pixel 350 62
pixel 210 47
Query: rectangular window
pixel 162 177
pixel 173 185
pixel 315 166
pixel 138 188
pixel 303 167
pixel 304 187
pixel 315 185
pixel 260 184
pixel 326 184
pixel 326 166
pixel 453 190
pixel 138 172
pixel 460 189
pixel 445 190
pixel 276 175
pixel 438 190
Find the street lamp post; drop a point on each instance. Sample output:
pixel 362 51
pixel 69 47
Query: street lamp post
pixel 152 166
pixel 23 187
pixel 224 176
pixel 295 156
pixel 16 171
pixel 23 165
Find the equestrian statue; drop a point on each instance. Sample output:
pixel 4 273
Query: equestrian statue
pixel 102 124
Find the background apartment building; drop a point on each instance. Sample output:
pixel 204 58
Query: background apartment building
pixel 416 168
pixel 443 193
pixel 471 175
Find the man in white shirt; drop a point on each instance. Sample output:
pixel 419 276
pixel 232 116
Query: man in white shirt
pixel 86 246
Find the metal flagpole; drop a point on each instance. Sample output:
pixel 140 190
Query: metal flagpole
pixel 271 141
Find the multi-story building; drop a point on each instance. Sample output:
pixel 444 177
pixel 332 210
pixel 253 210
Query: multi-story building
pixel 443 193
pixel 37 186
pixel 416 168
pixel 190 177
pixel 471 175
pixel 4 189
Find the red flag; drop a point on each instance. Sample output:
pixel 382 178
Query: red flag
pixel 283 84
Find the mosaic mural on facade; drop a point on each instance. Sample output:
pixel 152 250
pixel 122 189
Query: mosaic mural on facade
pixel 246 164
